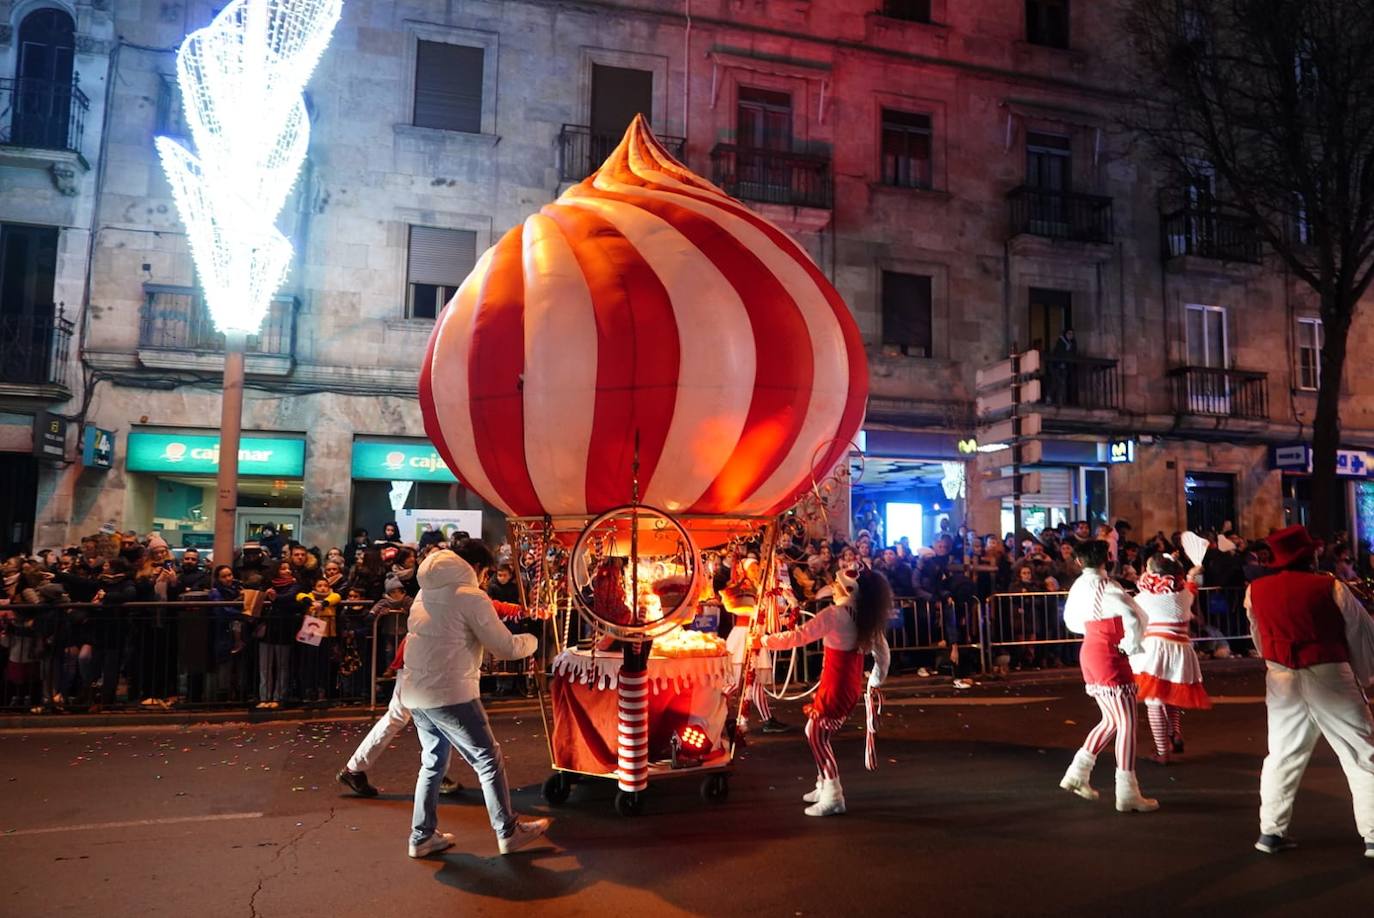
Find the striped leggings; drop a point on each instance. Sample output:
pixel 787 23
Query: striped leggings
pixel 1166 723
pixel 818 738
pixel 1118 720
pixel 758 697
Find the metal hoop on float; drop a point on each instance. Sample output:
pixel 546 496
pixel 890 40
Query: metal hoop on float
pixel 636 631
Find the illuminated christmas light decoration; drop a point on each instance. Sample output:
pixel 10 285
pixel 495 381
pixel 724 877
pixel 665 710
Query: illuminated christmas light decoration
pixel 241 80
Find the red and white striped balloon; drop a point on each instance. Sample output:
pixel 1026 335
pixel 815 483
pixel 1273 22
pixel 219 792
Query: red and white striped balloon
pixel 645 304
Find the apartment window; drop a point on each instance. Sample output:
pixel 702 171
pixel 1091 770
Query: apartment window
pixel 907 313
pixel 1051 314
pixel 437 262
pixel 1309 332
pixel 448 86
pixel 1047 23
pixel 763 119
pixel 906 149
pixel 909 10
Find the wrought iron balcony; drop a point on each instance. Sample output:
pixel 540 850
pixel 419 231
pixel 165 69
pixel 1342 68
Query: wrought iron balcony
pixel 772 176
pixel 33 349
pixel 42 114
pixel 581 152
pixel 1081 382
pixel 1060 214
pixel 1220 393
pixel 177 319
pixel 1211 233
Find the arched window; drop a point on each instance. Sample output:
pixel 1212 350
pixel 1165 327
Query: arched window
pixel 44 85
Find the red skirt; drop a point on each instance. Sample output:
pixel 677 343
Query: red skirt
pixel 1102 661
pixel 842 685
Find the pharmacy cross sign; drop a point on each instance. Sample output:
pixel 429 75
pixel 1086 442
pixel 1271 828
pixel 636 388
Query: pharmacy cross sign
pixel 241 79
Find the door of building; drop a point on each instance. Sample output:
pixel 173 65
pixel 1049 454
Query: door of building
pixel 18 498
pixel 43 86
pixel 618 94
pixel 1209 390
pixel 28 266
pixel 763 134
pixel 1211 498
pixel 1049 175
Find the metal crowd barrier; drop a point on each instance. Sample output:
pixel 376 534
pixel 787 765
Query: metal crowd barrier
pixel 205 653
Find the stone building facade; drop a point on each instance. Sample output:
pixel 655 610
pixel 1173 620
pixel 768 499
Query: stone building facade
pixel 955 168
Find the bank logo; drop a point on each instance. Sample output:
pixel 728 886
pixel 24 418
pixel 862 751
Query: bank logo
pixel 174 452
pixel 395 461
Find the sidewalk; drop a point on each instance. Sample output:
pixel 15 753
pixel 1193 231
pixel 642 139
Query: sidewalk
pixel 907 685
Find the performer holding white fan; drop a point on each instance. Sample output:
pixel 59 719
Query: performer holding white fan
pixel 1168 677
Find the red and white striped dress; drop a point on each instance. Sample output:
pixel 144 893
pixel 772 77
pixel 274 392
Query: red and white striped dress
pixel 1167 669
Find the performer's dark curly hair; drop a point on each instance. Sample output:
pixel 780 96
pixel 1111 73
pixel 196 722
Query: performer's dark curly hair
pixel 872 606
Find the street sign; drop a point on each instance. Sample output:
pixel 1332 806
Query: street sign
pixel 97 448
pixel 49 436
pixel 1004 431
pixel 1003 400
pixel 999 373
pixel 1007 487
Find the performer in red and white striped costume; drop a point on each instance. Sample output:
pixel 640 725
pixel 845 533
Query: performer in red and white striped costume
pixel 1112 626
pixel 1168 677
pixel 741 599
pixel 850 630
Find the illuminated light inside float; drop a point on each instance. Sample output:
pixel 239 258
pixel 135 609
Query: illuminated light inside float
pixel 241 80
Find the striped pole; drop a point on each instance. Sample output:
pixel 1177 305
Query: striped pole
pixel 632 730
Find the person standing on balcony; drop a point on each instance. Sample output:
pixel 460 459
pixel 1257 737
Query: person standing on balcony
pixel 1062 388
pixel 1318 647
pixel 1112 626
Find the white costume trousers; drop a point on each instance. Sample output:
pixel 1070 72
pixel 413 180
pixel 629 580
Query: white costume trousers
pixel 380 736
pixel 1322 700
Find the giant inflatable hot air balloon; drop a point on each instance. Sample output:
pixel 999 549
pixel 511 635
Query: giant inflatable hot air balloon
pixel 645 340
pixel 645 315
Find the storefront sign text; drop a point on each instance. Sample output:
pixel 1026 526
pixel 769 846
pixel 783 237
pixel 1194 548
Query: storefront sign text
pixel 398 460
pixel 196 453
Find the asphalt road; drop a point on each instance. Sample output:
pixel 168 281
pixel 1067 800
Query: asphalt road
pixel 962 818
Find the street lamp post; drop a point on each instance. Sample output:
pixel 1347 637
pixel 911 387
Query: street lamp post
pixel 241 80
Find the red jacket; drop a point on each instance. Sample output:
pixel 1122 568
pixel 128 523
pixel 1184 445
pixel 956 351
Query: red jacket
pixel 1297 619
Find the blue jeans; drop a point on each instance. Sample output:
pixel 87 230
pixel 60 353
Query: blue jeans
pixel 463 727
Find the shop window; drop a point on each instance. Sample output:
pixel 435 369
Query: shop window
pixel 907 314
pixel 906 148
pixel 1047 23
pixel 437 261
pixel 1309 356
pixel 448 86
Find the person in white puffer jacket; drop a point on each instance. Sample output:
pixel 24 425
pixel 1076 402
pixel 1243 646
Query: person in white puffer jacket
pixel 452 624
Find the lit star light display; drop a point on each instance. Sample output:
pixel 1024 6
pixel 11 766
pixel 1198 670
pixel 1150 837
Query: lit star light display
pixel 241 79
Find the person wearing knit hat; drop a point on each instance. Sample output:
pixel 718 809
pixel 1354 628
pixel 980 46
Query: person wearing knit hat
pixel 1318 647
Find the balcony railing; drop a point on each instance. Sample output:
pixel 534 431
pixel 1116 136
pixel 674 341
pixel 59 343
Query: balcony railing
pixel 772 176
pixel 177 319
pixel 1060 214
pixel 1081 382
pixel 1220 393
pixel 44 114
pixel 33 349
pixel 1211 234
pixel 581 152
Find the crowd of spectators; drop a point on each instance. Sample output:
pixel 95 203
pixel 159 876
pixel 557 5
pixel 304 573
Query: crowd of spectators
pixel 123 619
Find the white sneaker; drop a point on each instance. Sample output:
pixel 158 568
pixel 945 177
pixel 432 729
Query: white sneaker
pixel 527 831
pixel 437 842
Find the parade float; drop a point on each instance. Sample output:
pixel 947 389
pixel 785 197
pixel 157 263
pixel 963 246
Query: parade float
pixel 642 370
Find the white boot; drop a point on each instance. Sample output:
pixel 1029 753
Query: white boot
pixel 1076 779
pixel 831 800
pixel 814 794
pixel 1128 799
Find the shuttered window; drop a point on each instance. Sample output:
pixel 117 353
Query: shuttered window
pixel 437 262
pixel 448 86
